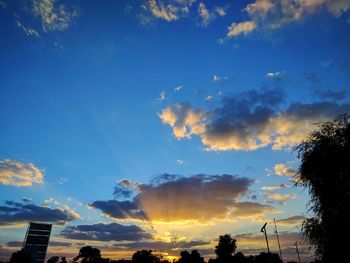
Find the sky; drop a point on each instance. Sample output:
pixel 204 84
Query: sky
pixel 163 124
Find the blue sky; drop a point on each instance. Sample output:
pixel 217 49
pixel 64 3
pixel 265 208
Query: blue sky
pixel 93 93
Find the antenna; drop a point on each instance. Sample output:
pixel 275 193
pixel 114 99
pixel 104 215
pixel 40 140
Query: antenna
pixel 263 230
pixel 278 240
pixel 296 248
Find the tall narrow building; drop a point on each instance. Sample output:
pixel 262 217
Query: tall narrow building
pixel 37 240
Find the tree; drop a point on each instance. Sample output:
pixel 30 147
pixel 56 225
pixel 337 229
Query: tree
pixel 194 257
pixel 63 260
pixel 20 256
pixel 145 256
pixel 88 255
pixel 53 259
pixel 325 172
pixel 225 248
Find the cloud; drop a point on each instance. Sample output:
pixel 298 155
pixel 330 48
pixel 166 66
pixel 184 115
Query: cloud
pixel 275 187
pixel 291 221
pixel 220 11
pixel 244 28
pixel 159 10
pixel 180 162
pixel 54 15
pixel 281 198
pixel 273 74
pixel 204 14
pixel 19 244
pixel 31 32
pixel 272 14
pixel 162 96
pixel 163 246
pixel 120 209
pixel 105 232
pixel 281 169
pixel 335 95
pixel 178 88
pixel 250 120
pixel 14 213
pixel 19 174
pixel 175 198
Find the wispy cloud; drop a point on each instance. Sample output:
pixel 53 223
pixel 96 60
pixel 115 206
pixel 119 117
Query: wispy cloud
pixel 54 15
pixel 20 174
pixel 281 198
pixel 31 32
pixel 291 221
pixel 275 187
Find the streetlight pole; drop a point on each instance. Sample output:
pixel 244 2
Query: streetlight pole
pixel 263 230
pixel 296 248
pixel 278 240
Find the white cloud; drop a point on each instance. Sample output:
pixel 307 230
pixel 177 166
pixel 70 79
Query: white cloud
pixel 220 11
pixel 281 169
pixel 19 174
pixel 162 96
pixel 178 88
pixel 216 78
pixel 273 74
pixel 236 29
pixel 54 15
pixel 275 187
pixel 180 162
pixel 281 198
pixel 159 10
pixel 204 14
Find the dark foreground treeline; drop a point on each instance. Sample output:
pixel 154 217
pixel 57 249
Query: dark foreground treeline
pixel 225 253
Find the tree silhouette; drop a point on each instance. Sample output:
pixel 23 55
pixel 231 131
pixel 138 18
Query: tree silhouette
pixel 145 256
pixel 225 248
pixel 20 256
pixel 194 257
pixel 89 255
pixel 63 260
pixel 53 259
pixel 264 257
pixel 325 171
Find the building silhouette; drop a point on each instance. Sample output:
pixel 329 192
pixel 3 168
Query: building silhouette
pixel 36 241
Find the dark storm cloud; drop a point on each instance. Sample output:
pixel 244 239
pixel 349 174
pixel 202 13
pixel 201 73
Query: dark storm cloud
pixel 174 198
pixel 15 213
pixel 105 232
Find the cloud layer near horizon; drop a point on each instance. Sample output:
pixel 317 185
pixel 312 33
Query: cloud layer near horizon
pixel 174 198
pixel 250 120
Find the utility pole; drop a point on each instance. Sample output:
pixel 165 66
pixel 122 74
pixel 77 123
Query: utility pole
pixel 278 240
pixel 296 247
pixel 263 230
